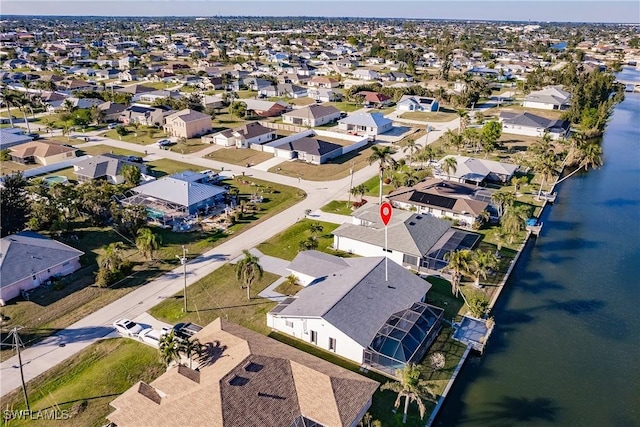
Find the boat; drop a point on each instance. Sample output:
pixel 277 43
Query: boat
pixel 533 226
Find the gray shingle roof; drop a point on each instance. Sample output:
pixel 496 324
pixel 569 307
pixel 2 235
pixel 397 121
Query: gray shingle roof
pixel 366 119
pixel 527 119
pixel 315 110
pixel 312 146
pixel 408 233
pixel 317 264
pixel 103 165
pixel 357 299
pixel 26 253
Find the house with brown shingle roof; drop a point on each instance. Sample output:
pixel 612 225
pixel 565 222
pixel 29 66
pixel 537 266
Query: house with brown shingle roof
pixel 41 152
pixel 247 379
pixel 187 124
pixel 313 115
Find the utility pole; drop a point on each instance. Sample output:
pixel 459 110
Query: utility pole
pixel 183 260
pixel 351 184
pixel 18 343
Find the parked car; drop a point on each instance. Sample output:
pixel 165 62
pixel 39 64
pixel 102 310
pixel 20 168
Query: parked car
pixel 165 142
pixel 34 135
pixel 113 125
pixel 152 336
pixel 134 159
pixel 343 115
pixel 186 330
pixel 127 327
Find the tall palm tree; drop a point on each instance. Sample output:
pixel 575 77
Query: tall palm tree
pixel 457 265
pixel 464 120
pixel 411 146
pixel 169 346
pixel 147 242
pixel 545 164
pixel 248 270
pixel 502 199
pixel 449 166
pixel 588 156
pixel 112 258
pixel 514 220
pixel 382 155
pixel 480 264
pixel 412 388
pixel 191 347
pixel 426 154
pixel 410 178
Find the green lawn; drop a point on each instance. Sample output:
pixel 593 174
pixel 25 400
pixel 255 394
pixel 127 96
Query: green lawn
pixel 145 135
pixel 158 85
pixel 340 207
pixel 286 288
pixel 219 295
pixel 334 169
pixel 345 106
pixel 238 156
pixel 425 116
pixel 89 380
pixel 373 187
pixel 95 150
pixel 286 243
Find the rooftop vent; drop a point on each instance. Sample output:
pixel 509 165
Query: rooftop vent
pixel 253 367
pixel 412 223
pixel 237 380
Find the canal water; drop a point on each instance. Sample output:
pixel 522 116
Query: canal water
pixel 566 349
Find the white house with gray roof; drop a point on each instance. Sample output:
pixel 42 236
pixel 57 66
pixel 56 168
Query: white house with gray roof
pixel 105 167
pixel 532 125
pixel 474 170
pixel 366 123
pixel 28 259
pixel 415 241
pixel 549 98
pixel 348 307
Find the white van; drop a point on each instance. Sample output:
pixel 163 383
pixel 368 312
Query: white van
pixel 152 336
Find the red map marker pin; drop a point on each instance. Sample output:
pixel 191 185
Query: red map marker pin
pixel 385 212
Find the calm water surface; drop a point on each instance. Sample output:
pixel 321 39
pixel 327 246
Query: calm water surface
pixel 566 350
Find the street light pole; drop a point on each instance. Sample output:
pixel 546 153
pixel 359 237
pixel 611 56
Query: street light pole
pixel 183 260
pixel 17 342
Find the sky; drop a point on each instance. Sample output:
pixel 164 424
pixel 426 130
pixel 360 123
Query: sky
pixel 519 10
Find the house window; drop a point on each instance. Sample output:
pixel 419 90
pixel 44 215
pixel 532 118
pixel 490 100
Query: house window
pixel 314 337
pixel 33 277
pixel 289 323
pixel 332 344
pixel 65 263
pixel 387 250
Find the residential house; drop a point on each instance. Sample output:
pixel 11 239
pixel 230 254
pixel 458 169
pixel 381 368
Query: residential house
pixel 312 115
pixel 532 125
pixel 365 74
pixel 243 136
pixel 41 152
pixel 462 203
pixel 136 90
pixel 177 195
pixel 155 95
pixel 187 124
pixel 10 137
pixel 366 123
pixel 247 379
pixel 112 110
pixel 375 99
pixel 104 166
pixel 145 115
pixel 310 148
pixel 549 98
pixel 363 309
pixel 476 171
pixel 28 259
pixel 417 103
pixel 109 73
pixel 324 95
pixel 414 240
pixel 323 82
pixel 284 89
pixel 266 108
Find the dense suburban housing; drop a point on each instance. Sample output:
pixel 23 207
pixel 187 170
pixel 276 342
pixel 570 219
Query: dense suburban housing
pixel 247 379
pixel 359 310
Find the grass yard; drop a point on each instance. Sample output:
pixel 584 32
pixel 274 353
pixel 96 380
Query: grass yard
pixel 238 156
pixel 340 207
pixel 285 244
pixel 334 169
pixel 12 167
pixel 294 101
pixel 158 85
pixel 227 121
pixel 287 288
pixel 163 167
pixel 85 384
pixel 345 106
pixel 191 145
pixel 145 135
pixel 373 187
pixel 425 116
pixel 95 150
pixel 220 295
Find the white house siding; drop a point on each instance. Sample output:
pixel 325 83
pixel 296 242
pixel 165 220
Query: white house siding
pixel 528 131
pixel 224 141
pixel 438 213
pixel 301 328
pixel 347 244
pixel 539 105
pixel 13 290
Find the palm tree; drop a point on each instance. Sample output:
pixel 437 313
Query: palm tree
pixel 248 270
pixel 545 164
pixel 449 166
pixel 514 220
pixel 457 264
pixel 315 228
pixel 427 153
pixel 587 156
pixel 464 120
pixel 412 388
pixel 410 178
pixel 502 199
pixel 359 190
pixel 308 244
pixel 480 264
pixel 191 347
pixel 147 242
pixel 169 346
pixel 112 258
pixel 383 156
pixel 411 146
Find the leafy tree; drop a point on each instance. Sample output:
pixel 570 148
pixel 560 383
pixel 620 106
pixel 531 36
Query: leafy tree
pixel 5 155
pixel 169 347
pixel 238 109
pixel 315 228
pixel 491 132
pixel 112 258
pixel 191 347
pixel 309 244
pixel 514 220
pixel 546 165
pixel 147 242
pixel 359 190
pixel 412 388
pixel 15 204
pixel 129 219
pixel 121 131
pixel 382 155
pixel 587 155
pixel 478 304
pixel 502 199
pixel 248 270
pixel 131 175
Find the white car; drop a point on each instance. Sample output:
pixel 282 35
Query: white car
pixel 127 327
pixel 152 336
pixel 165 142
